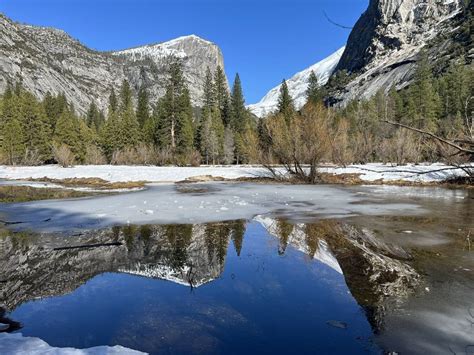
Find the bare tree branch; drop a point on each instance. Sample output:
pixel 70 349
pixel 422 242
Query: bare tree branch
pixel 335 23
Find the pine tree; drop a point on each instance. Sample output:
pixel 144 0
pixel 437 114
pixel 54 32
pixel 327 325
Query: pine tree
pixel 209 93
pixel 66 132
pixel 425 97
pixel 285 102
pixel 113 103
pixel 184 127
pixel 36 127
pixel 93 117
pixel 12 139
pixel 176 129
pixel 239 114
pixel 220 87
pixel 222 95
pixel 125 95
pixel 314 92
pixel 54 107
pixel 143 107
pixel 229 146
pixel 129 131
pixel 110 135
pixel 205 124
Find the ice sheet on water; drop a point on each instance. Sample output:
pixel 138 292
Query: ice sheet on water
pixel 16 344
pixel 171 206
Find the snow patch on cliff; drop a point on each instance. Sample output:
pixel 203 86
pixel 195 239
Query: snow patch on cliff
pixel 297 85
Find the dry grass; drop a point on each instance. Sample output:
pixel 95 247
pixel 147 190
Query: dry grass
pixel 9 194
pixel 95 183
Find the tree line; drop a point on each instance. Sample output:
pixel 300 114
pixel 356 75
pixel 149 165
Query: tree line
pixel 223 131
pixel 359 132
pixel 171 131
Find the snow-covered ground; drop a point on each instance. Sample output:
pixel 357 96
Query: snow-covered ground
pixel 16 344
pixel 114 173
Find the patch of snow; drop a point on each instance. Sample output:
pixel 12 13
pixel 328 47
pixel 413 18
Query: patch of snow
pixel 297 85
pixel 159 51
pixel 170 174
pixel 114 173
pixel 17 344
pixel 410 172
pixel 165 272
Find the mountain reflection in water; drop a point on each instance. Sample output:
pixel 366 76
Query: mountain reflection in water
pixel 247 287
pixel 266 285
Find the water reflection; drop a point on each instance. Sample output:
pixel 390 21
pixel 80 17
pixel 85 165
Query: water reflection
pixel 252 283
pixel 254 299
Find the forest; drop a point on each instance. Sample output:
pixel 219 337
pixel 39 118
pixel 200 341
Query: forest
pixel 223 131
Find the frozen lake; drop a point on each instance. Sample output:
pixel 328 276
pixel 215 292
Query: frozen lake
pixel 234 267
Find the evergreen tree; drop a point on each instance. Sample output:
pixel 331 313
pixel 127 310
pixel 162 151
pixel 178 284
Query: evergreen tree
pixel 184 127
pixel 239 114
pixel 222 95
pixel 314 92
pixel 175 113
pixel 110 135
pixel 285 102
pixel 54 107
pixel 125 95
pixel 93 117
pixel 209 92
pixel 66 132
pixel 113 103
pixel 205 125
pixel 12 138
pixel 129 131
pixel 229 146
pixel 143 107
pixel 36 127
pixel 426 100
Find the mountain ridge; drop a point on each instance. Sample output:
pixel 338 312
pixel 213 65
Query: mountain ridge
pixel 47 59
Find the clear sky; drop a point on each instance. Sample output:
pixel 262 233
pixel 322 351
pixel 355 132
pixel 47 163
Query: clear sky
pixel 264 40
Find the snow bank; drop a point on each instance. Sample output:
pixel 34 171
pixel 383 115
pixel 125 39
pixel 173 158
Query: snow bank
pixel 114 173
pixel 415 173
pixel 16 344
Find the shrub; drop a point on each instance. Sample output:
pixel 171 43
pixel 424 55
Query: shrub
pixel 95 156
pixel 63 155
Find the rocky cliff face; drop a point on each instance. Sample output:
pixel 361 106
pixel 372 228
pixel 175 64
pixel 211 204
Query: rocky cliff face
pixel 47 59
pixel 385 43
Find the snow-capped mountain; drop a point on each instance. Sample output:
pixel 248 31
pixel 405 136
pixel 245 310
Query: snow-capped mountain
pixel 161 50
pixel 297 85
pixel 48 59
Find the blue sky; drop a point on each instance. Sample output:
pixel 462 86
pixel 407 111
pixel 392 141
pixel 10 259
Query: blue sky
pixel 264 40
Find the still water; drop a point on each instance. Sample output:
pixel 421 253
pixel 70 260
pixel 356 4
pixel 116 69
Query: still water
pixel 275 283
